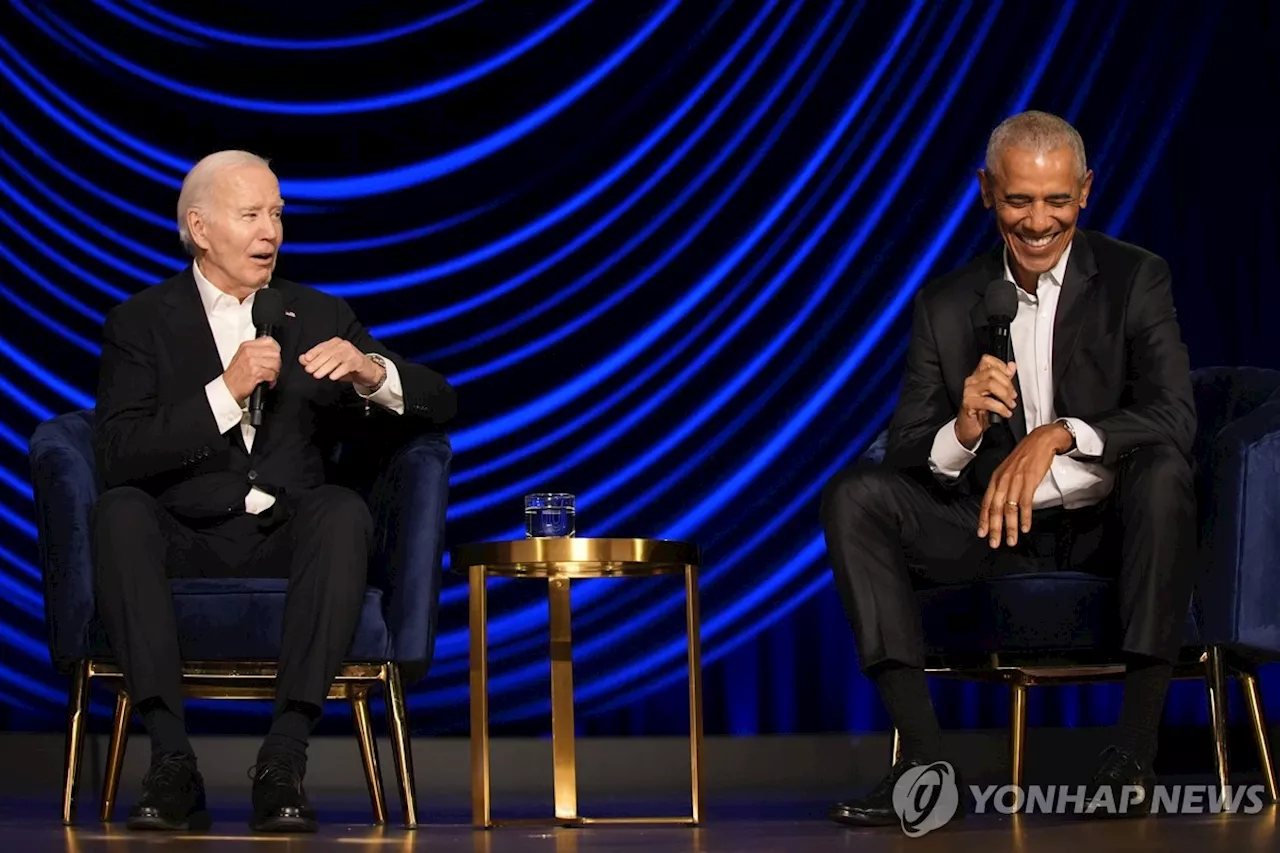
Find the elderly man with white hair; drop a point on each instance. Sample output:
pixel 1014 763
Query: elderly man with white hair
pixel 196 485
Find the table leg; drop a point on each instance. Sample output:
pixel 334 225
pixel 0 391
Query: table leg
pixel 562 730
pixel 693 627
pixel 481 813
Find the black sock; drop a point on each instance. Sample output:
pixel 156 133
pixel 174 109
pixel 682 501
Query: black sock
pixel 1146 684
pixel 167 730
pixel 290 731
pixel 905 693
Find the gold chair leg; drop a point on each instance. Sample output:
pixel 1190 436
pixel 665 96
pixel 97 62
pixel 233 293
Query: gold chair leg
pixel 1261 736
pixel 115 754
pixel 693 627
pixel 897 747
pixel 77 718
pixel 398 714
pixel 564 756
pixel 369 753
pixel 1216 684
pixel 1017 737
pixel 481 804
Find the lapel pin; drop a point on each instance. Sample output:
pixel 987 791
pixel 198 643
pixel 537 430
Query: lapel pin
pixel 291 314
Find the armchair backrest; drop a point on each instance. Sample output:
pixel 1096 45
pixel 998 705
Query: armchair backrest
pixel 402 473
pixel 874 454
pixel 1224 395
pixel 62 471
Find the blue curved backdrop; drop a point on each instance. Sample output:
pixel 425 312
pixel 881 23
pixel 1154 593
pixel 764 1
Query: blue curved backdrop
pixel 662 248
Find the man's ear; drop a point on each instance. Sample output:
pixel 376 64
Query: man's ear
pixel 984 189
pixel 197 227
pixel 1085 187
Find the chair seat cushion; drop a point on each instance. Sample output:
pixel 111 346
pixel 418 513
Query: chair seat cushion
pixel 1032 612
pixel 1039 611
pixel 242 619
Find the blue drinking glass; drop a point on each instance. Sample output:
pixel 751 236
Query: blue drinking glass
pixel 548 514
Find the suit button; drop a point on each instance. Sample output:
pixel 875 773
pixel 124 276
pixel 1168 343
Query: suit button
pixel 253 475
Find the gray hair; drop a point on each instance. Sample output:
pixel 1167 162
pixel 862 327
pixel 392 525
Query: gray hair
pixel 1037 132
pixel 195 186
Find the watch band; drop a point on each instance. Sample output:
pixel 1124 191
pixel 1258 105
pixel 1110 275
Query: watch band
pixel 381 362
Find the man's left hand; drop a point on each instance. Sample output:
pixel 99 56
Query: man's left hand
pixel 341 361
pixel 1007 503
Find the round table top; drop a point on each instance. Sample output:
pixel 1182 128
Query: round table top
pixel 574 556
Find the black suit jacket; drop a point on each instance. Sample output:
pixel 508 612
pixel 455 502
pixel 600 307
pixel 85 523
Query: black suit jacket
pixel 155 429
pixel 1119 363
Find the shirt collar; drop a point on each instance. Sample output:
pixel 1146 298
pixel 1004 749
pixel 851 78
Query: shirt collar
pixel 1056 276
pixel 211 297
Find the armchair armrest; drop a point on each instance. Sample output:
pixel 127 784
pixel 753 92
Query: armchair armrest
pixel 1239 586
pixel 408 502
pixel 65 491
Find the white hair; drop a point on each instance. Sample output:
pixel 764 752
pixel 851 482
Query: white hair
pixel 195 186
pixel 1038 132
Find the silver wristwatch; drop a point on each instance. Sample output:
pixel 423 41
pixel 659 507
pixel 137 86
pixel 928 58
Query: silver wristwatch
pixel 1066 424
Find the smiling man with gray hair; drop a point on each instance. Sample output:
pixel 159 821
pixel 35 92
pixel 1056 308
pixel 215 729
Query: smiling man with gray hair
pixel 192 490
pixel 1086 470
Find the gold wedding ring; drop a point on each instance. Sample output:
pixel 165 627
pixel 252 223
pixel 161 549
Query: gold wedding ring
pixel 1013 504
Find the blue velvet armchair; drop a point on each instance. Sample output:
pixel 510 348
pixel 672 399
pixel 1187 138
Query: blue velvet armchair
pixel 229 630
pixel 1056 627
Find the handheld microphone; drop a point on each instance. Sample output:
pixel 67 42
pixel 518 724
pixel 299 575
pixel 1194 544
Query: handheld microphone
pixel 268 312
pixel 1002 305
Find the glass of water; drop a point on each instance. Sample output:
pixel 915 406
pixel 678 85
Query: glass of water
pixel 549 514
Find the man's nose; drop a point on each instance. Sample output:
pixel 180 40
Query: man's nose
pixel 1039 221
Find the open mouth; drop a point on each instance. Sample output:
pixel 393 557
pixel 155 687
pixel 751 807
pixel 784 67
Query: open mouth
pixel 263 256
pixel 1038 242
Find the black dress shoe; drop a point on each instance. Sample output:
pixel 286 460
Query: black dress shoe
pixel 172 796
pixel 1123 786
pixel 279 802
pixel 877 807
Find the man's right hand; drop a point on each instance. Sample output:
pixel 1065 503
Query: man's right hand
pixel 256 361
pixel 988 389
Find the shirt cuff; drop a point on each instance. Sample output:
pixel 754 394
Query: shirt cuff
pixel 391 394
pixel 226 411
pixel 949 457
pixel 1089 442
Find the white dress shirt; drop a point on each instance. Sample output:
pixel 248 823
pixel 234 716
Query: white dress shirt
pixel 232 324
pixel 1072 481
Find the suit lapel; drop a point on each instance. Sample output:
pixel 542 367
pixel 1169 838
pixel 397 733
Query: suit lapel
pixel 1074 304
pixel 289 334
pixel 192 337
pixel 190 328
pixel 993 269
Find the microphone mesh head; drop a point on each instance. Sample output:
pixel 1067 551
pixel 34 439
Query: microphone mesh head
pixel 1001 299
pixel 268 307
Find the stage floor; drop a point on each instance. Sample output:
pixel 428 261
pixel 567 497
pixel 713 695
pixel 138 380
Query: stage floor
pixel 768 826
pixel 764 795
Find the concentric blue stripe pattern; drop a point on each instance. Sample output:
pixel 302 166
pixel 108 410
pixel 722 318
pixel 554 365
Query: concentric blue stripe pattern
pixel 666 250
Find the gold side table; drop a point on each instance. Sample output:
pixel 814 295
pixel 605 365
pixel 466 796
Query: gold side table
pixel 559 561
